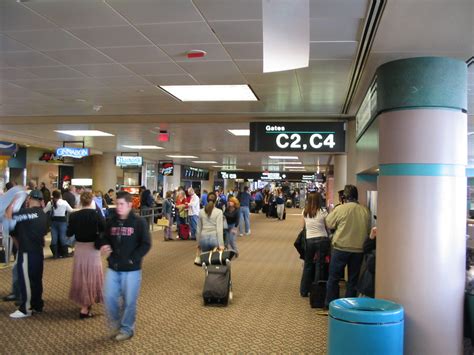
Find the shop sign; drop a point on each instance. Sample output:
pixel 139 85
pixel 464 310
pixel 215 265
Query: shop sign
pixel 226 175
pixel 70 152
pixel 166 167
pixel 7 149
pixel 367 111
pixel 324 137
pixel 128 161
pixel 50 158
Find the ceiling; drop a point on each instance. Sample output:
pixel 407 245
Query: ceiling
pixel 62 57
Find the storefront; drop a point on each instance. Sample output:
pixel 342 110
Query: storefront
pixel 192 177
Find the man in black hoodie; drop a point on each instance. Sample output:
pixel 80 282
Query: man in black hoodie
pixel 125 243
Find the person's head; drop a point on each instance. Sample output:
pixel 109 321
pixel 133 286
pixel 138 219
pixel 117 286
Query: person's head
pixel 110 192
pixel 43 185
pixel 341 196
pixel 350 193
pixel 181 194
pixel 180 188
pixel 98 194
pixel 190 191
pixel 313 205
pixel 56 195
pixel 246 189
pixel 233 203
pixel 79 189
pixel 123 204
pixel 86 199
pixel 9 185
pixel 35 198
pixel 169 194
pixel 211 202
pixel 32 185
pixel 205 192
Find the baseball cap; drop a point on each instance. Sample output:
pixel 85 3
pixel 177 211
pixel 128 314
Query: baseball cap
pixel 36 194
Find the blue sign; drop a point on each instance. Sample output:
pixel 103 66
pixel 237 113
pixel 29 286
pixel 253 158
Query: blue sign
pixel 77 153
pixel 8 149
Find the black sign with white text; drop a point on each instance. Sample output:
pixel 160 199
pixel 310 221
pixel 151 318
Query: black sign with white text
pixel 324 137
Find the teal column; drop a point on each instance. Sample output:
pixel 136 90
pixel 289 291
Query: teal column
pixel 421 105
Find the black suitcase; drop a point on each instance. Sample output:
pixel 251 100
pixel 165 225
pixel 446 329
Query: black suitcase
pixel 317 294
pixel 217 285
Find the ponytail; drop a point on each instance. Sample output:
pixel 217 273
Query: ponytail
pixel 209 207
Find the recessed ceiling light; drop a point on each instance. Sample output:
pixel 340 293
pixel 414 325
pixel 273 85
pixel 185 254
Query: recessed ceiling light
pixel 210 92
pixel 297 171
pixel 142 147
pixel 285 163
pixel 294 167
pixel 182 156
pixel 239 132
pixel 84 133
pixel 204 161
pixel 282 157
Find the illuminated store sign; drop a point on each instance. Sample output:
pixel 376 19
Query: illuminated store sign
pixel 328 137
pixel 166 167
pixel 70 152
pixel 128 161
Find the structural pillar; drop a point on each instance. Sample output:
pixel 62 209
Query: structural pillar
pixel 340 175
pixel 421 246
pixel 171 183
pixel 104 172
pixel 208 184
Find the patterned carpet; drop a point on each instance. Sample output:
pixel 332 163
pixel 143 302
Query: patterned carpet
pixel 266 316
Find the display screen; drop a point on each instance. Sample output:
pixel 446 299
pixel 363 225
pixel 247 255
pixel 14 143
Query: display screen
pixel 325 137
pixel 166 167
pixel 192 173
pixel 128 161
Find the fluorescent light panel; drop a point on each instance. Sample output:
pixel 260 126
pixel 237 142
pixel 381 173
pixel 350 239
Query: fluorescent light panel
pixel 182 156
pixel 85 133
pixel 239 132
pixel 142 147
pixel 204 161
pixel 211 92
pixel 283 157
pixel 285 163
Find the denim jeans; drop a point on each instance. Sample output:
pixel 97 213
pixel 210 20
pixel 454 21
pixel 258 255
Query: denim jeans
pixel 193 221
pixel 58 234
pixel 208 242
pixel 125 286
pixel 244 219
pixel 339 260
pixel 231 238
pixel 167 230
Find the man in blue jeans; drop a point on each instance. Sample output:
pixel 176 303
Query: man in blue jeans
pixel 126 241
pixel 194 207
pixel 244 199
pixel 351 222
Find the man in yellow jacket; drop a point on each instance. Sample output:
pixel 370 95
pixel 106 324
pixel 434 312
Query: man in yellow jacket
pixel 351 222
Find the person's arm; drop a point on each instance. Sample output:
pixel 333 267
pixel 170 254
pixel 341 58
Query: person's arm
pixel 105 243
pixel 69 209
pixel 220 231
pixel 47 208
pixel 145 241
pixel 332 220
pixel 237 219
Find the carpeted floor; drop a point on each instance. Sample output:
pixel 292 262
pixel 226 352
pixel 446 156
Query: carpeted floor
pixel 266 316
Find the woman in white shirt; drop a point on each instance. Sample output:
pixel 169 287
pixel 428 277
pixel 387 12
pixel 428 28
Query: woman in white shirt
pixel 314 222
pixel 57 209
pixel 210 228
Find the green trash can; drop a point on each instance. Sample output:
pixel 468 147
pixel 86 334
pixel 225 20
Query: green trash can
pixel 365 326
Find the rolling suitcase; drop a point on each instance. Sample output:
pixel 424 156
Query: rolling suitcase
pixel 184 231
pixel 217 285
pixel 317 293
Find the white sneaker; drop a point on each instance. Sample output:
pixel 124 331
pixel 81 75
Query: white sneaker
pixel 241 235
pixel 19 314
pixel 123 336
pixel 248 233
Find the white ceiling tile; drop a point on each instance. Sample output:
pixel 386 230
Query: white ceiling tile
pixel 338 9
pixel 333 29
pixel 103 70
pixel 333 50
pixel 214 52
pixel 171 80
pixel 155 68
pixel 230 10
pixel 61 93
pixel 8 44
pixel 280 78
pixel 55 72
pixel 145 90
pixel 250 66
pixel 179 33
pixel 326 66
pixel 111 36
pixel 156 11
pixel 122 81
pixel 211 67
pixel 252 51
pixel 140 54
pixel 220 79
pixel 25 59
pixel 238 31
pixel 78 14
pixel 79 56
pixel 16 17
pixel 14 74
pixel 75 83
pixel 50 39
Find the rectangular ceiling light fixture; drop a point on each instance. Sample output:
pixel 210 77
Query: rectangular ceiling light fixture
pixel 182 156
pixel 285 34
pixel 204 161
pixel 286 163
pixel 295 167
pixel 84 133
pixel 142 147
pixel 282 157
pixel 239 132
pixel 210 92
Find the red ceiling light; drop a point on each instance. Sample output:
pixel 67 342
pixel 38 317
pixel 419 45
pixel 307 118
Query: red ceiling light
pixel 164 136
pixel 196 53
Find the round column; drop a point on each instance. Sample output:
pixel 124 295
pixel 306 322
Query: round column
pixel 340 175
pixel 104 172
pixel 422 198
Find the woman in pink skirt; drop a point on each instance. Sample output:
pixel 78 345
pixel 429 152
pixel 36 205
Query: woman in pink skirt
pixel 86 225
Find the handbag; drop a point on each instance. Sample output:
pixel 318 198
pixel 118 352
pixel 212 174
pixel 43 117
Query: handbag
pixel 300 243
pixel 163 222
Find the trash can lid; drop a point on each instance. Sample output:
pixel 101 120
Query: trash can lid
pixel 366 310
